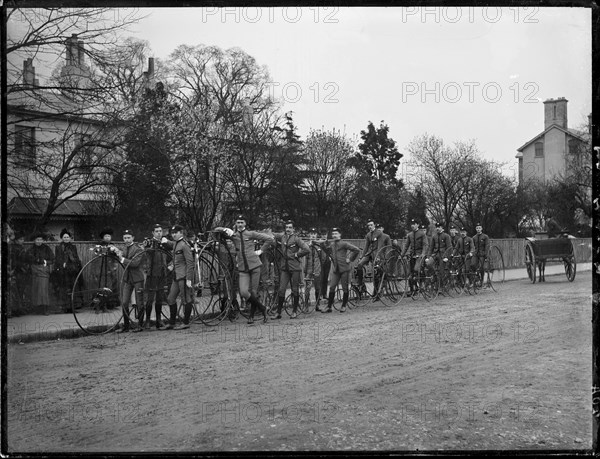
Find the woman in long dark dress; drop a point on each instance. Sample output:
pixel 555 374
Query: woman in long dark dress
pixel 66 266
pixel 41 258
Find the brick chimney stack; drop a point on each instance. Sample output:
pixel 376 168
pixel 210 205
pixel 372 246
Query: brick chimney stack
pixel 75 72
pixel 555 112
pixel 29 73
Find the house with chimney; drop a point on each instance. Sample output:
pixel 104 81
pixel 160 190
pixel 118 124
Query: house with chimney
pixel 546 156
pixel 57 142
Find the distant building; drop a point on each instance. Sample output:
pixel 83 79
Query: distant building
pixel 546 155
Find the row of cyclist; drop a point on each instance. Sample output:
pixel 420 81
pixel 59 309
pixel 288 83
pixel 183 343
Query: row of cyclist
pixel 293 275
pixel 385 270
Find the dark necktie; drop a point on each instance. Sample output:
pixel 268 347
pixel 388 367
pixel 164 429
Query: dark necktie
pixel 246 267
pixel 335 251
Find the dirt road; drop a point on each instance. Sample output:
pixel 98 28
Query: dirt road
pixel 510 370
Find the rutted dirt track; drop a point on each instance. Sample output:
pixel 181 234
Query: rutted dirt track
pixel 510 370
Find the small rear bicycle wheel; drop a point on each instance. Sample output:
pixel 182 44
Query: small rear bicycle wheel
pixel 494 269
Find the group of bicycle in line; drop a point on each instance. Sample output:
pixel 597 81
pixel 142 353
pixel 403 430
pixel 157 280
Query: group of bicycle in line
pixel 325 260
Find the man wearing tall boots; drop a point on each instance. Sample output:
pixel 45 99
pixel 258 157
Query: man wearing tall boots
pixel 133 276
pixel 183 275
pixel 313 268
pixel 417 244
pixel 369 252
pixel 248 262
pixel 481 245
pixel 441 243
pixel 342 254
pixel 156 278
pixel 292 248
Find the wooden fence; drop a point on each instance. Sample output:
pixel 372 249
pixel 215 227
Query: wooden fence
pixel 513 251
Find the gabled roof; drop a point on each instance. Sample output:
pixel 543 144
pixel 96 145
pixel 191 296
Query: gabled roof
pixel 25 207
pixel 40 103
pixel 569 131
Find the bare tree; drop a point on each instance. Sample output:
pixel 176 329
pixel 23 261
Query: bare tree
pixel 330 180
pixel 443 173
pixel 228 147
pixel 73 159
pixel 489 199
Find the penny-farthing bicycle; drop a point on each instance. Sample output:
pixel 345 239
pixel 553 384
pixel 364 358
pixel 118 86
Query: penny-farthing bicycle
pixel 388 287
pixel 213 286
pixel 95 296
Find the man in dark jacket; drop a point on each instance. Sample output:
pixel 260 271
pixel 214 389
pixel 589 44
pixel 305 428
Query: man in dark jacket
pixel 552 227
pixel 313 269
pixel 156 277
pixel 248 262
pixel 369 252
pixel 464 244
pixel 440 245
pixel 481 244
pixel 183 276
pixel 454 235
pixel 416 245
pixel 133 276
pixel 292 248
pixel 342 253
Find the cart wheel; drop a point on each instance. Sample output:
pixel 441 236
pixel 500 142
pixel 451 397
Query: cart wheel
pixel 530 262
pixel 95 297
pixel 570 265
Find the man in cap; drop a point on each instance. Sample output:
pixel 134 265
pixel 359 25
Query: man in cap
pixel 416 245
pixel 369 252
pixel 464 244
pixel 454 235
pixel 293 248
pixel 384 240
pixel 463 247
pixel 313 267
pixel 342 254
pixel 481 244
pixel 552 227
pixel 156 278
pixel 183 276
pixel 439 248
pixel 248 262
pixel 133 276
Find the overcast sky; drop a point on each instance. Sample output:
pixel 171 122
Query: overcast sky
pixel 459 73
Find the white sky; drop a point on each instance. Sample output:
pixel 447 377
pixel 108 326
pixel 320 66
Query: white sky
pixel 346 66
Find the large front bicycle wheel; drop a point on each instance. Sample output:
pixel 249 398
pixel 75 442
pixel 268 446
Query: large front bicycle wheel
pixel 530 262
pixel 212 290
pixel 95 297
